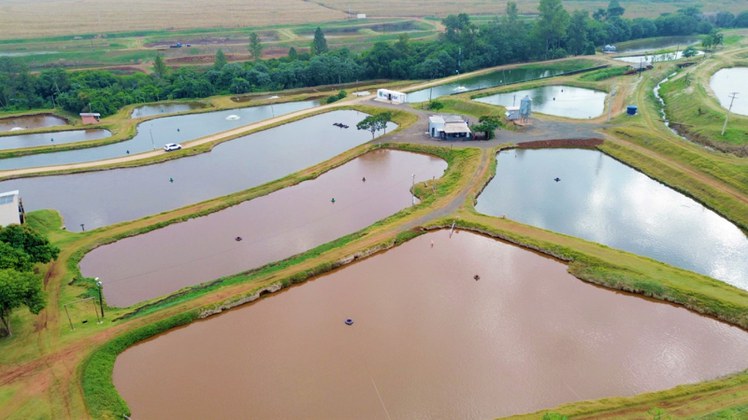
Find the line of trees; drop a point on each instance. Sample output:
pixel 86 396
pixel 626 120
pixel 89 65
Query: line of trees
pixel 20 249
pixel 464 46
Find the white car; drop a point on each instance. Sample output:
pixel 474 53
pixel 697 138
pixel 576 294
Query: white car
pixel 168 147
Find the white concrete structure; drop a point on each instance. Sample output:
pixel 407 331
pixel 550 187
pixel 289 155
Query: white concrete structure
pixel 11 209
pixel 386 95
pixel 449 127
pixel 512 113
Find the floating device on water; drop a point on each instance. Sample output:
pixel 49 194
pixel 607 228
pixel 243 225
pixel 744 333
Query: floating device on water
pixel 348 321
pixel 476 277
pixel 557 179
pixel 333 200
pixel 233 117
pixel 238 238
pixel 171 179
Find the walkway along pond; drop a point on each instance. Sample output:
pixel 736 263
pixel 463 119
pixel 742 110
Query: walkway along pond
pixel 153 134
pixel 559 100
pixel 428 340
pixel 95 199
pixel 600 199
pixel 257 232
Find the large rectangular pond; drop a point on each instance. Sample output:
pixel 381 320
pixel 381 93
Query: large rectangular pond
pixel 727 81
pixel 101 198
pixel 559 100
pixel 602 200
pixel 497 78
pixel 270 228
pixel 21 141
pixel 427 341
pixel 30 122
pixel 155 133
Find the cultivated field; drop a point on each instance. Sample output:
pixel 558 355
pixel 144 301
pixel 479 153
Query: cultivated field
pixel 44 18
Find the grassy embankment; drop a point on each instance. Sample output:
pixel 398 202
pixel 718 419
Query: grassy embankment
pixel 716 179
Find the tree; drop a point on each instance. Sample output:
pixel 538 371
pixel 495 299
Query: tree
pixel 159 67
pixel 724 19
pixel 577 40
pixel 255 46
pixel 689 52
pixel 614 9
pixel 36 246
pixel 552 23
pixel 487 124
pixel 319 45
pixel 19 288
pixel 292 54
pixel 220 60
pixel 374 123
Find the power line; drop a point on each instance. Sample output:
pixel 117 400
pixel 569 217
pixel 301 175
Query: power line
pixel 732 99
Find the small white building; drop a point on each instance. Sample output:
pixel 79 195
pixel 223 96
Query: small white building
pixel 361 16
pixel 512 113
pixel 449 127
pixel 11 208
pixel 386 95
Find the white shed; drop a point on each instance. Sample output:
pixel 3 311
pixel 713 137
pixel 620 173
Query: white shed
pixel 11 208
pixel 512 113
pixel 449 127
pixel 391 96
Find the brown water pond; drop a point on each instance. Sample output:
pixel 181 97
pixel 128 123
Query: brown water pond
pixel 428 341
pixel 29 122
pixel 271 228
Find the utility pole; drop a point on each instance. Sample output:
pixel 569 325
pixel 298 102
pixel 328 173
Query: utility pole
pixel 732 99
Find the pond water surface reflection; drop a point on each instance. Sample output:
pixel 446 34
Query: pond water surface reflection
pixel 101 198
pixel 600 199
pixel 427 341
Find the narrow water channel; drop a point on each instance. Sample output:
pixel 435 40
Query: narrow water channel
pixel 602 200
pixel 95 199
pixel 269 228
pixel 427 341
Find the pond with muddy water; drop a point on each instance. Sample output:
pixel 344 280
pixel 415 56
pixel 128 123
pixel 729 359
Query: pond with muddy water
pixel 153 134
pixel 558 100
pixel 600 199
pixel 269 228
pixel 102 198
pixel 427 340
pixel 30 122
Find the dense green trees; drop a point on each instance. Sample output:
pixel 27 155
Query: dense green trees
pixel 465 46
pixel 20 248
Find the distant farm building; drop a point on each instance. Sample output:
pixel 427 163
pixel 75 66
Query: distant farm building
pixel 90 117
pixel 449 127
pixel 361 16
pixel 391 96
pixel 609 49
pixel 11 208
